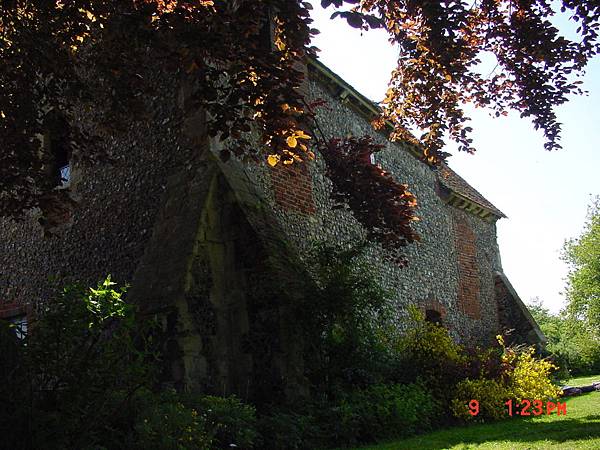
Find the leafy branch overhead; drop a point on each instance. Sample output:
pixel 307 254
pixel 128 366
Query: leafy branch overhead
pixel 245 59
pixel 442 45
pixel 47 50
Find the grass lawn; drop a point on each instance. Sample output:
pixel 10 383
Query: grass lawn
pixel 582 381
pixel 579 429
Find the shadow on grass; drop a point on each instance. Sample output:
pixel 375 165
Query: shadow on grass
pixel 517 430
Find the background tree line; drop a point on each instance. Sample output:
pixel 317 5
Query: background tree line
pixel 574 333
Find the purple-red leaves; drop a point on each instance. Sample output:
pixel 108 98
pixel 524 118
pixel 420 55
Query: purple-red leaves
pixel 245 59
pixel 381 204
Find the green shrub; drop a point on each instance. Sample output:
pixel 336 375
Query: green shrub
pixel 231 422
pixel 339 317
pixel 388 411
pixel 490 395
pixel 425 351
pixel 72 379
pixel 285 429
pixel 83 378
pixel 375 413
pixel 164 423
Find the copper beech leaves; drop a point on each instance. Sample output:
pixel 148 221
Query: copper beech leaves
pixel 245 59
pixel 58 56
pixel 439 68
pixel 383 206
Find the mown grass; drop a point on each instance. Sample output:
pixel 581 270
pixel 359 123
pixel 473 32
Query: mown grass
pixel 582 381
pixel 579 429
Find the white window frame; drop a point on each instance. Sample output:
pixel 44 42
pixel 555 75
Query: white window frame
pixel 19 324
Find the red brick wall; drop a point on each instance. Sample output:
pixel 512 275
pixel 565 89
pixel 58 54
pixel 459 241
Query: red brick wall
pixel 292 185
pixel 8 310
pixel 468 272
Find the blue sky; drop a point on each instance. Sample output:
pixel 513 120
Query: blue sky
pixel 544 194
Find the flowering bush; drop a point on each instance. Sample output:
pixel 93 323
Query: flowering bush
pixel 521 376
pixel 528 377
pixel 427 350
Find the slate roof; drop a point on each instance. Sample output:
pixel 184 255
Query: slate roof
pixel 456 183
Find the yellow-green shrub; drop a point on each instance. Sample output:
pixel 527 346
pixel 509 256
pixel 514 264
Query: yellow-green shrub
pixel 530 376
pixel 523 376
pixel 491 395
pixel 426 351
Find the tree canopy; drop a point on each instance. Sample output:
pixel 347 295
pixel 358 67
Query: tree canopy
pixel 583 256
pixel 570 341
pixel 246 57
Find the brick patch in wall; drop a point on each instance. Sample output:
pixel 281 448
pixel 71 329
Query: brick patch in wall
pixel 8 310
pixel 435 305
pixel 434 311
pixel 292 185
pixel 468 271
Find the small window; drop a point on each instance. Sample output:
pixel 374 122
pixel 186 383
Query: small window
pixel 65 174
pixel 19 326
pixel 433 316
pixel 62 164
pixel 56 142
pixel 372 157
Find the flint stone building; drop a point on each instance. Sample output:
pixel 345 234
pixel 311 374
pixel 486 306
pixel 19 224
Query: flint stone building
pixel 197 239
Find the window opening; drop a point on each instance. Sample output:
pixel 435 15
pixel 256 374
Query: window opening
pixel 433 316
pixel 65 174
pixel 63 164
pixel 19 326
pixel 57 143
